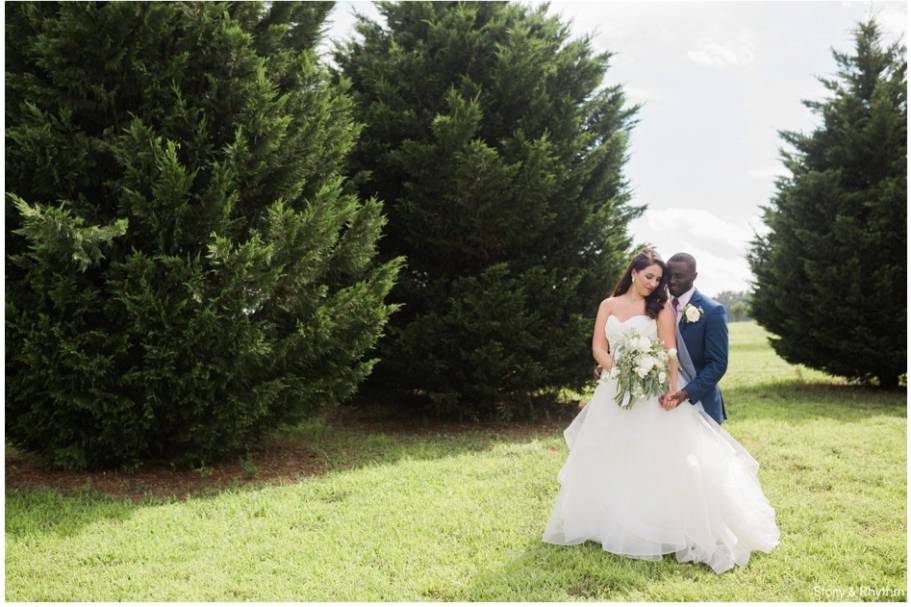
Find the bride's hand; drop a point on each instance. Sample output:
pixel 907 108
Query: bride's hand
pixel 667 401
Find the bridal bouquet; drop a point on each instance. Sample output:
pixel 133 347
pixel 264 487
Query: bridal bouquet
pixel 640 367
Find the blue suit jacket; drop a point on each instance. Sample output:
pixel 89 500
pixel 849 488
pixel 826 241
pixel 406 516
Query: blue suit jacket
pixel 707 343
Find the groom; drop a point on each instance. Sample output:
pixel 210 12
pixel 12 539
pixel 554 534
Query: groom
pixel 702 339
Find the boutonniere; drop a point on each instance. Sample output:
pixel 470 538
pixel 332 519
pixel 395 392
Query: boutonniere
pixel 691 313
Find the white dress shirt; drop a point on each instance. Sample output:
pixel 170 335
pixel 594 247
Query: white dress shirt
pixel 682 301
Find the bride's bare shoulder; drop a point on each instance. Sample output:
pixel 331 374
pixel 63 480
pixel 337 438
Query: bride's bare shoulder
pixel 606 304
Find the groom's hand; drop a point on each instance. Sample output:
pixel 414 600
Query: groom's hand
pixel 678 397
pixel 672 400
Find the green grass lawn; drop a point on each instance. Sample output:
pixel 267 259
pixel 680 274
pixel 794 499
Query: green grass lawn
pixel 424 516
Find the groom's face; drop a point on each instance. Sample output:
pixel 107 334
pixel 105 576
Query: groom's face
pixel 680 277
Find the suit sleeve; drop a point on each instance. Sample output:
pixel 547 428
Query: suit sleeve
pixel 716 355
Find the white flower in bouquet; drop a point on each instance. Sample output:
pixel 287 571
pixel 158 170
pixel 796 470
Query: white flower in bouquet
pixel 646 364
pixel 640 368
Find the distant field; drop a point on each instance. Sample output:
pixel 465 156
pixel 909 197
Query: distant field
pixel 458 516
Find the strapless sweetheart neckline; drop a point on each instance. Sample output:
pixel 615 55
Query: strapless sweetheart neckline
pixel 627 320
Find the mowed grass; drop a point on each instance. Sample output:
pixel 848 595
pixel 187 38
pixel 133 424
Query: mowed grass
pixel 459 516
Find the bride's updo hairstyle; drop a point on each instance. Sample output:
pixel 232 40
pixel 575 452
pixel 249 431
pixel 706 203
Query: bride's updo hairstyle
pixel 645 258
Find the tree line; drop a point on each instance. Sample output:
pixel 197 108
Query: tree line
pixel 210 231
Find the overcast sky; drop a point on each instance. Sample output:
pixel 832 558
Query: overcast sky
pixel 716 80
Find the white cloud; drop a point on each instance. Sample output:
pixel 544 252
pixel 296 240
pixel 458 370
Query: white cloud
pixel 621 21
pixel 769 172
pixel 892 17
pixel 713 53
pixel 718 273
pixel 719 246
pixel 757 225
pixel 698 223
pixel 340 24
pixel 639 94
pixel 818 93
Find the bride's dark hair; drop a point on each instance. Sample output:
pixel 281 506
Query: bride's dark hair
pixel 645 258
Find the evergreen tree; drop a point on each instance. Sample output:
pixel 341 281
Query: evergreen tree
pixel 830 273
pixel 498 156
pixel 185 269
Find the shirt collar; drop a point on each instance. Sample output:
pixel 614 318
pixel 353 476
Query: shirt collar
pixel 685 298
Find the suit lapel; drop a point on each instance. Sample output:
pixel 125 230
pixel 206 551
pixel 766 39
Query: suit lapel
pixel 684 326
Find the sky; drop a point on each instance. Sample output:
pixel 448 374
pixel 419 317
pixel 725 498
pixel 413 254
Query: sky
pixel 716 81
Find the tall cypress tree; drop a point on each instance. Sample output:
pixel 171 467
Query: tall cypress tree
pixel 498 155
pixel 830 273
pixel 185 266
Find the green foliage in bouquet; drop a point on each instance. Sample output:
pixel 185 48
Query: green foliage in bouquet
pixel 185 267
pixel 640 368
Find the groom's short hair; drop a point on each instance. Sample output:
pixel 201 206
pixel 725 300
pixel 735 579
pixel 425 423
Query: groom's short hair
pixel 685 257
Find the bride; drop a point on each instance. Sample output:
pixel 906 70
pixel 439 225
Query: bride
pixel 655 478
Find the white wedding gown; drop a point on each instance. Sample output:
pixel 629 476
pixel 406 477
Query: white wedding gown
pixel 644 482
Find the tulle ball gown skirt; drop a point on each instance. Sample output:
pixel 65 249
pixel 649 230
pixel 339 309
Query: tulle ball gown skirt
pixel 645 482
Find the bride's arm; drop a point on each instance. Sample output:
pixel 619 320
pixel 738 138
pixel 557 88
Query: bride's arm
pixel 667 333
pixel 600 347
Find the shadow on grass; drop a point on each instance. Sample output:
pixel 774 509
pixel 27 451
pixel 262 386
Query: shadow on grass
pixel 800 402
pixel 345 446
pixel 62 503
pixel 351 444
pixel 585 572
pixel 47 511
